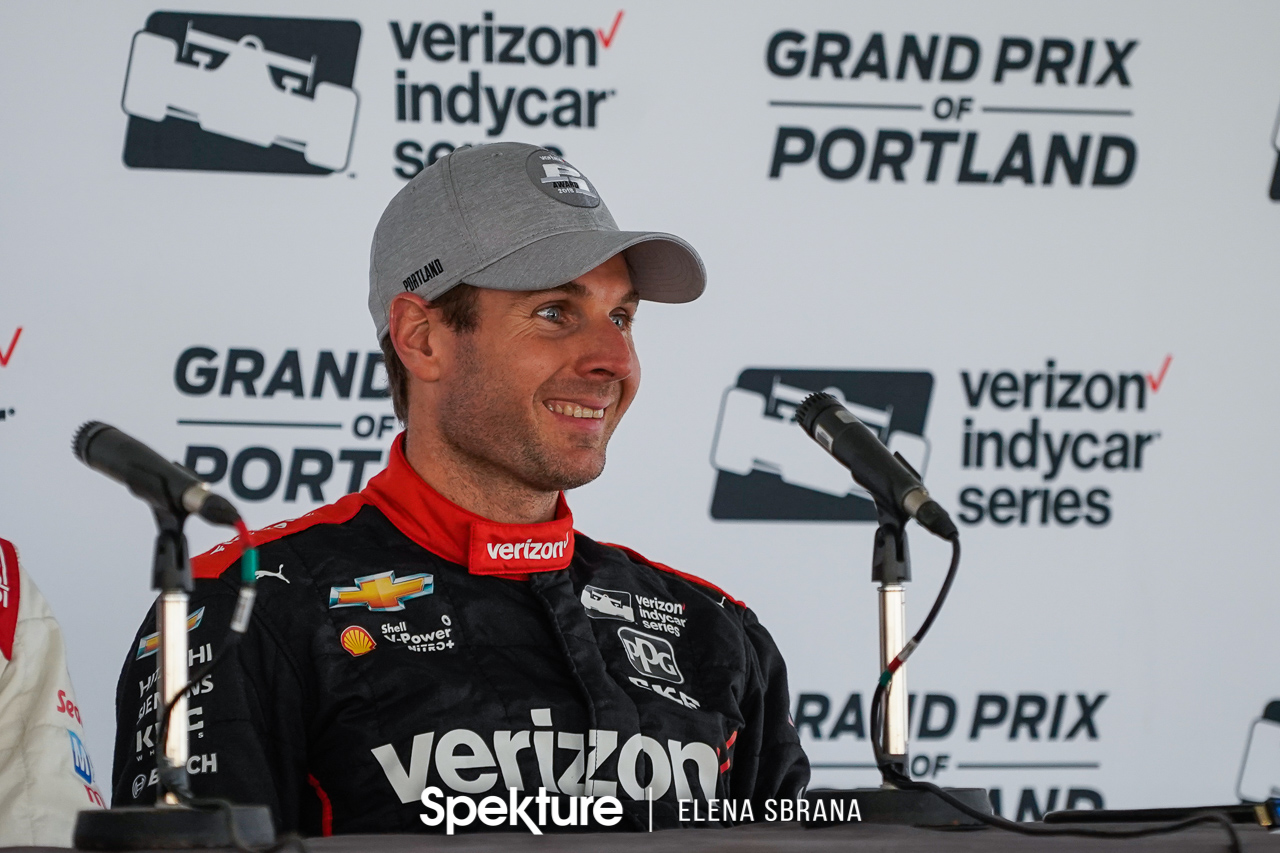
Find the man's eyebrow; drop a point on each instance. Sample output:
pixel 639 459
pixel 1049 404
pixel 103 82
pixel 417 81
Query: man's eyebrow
pixel 572 288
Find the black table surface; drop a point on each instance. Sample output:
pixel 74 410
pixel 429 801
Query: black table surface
pixel 780 837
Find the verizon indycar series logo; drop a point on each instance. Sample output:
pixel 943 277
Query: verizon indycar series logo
pixel 236 93
pixel 769 471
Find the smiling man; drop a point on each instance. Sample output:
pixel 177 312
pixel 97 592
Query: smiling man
pixel 446 629
pixel 516 408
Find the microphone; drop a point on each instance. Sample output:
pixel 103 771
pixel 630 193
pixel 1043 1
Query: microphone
pixel 888 477
pixel 163 484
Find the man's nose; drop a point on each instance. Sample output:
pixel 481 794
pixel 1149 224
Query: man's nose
pixel 606 351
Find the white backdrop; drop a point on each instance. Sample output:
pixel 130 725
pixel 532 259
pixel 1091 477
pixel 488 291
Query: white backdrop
pixel 1156 612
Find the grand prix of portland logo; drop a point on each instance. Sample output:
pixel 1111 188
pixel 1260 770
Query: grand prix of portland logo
pixel 768 470
pixel 235 93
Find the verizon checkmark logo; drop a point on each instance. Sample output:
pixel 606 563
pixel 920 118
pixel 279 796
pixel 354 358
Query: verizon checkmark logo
pixel 8 353
pixel 1156 381
pixel 607 40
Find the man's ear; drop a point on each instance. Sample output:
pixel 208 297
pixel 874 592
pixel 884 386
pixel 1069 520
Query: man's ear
pixel 416 332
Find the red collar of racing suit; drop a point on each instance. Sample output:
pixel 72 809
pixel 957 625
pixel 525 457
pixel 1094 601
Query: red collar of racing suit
pixel 418 511
pixel 485 547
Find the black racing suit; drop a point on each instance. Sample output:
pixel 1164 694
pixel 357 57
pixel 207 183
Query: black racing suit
pixel 400 642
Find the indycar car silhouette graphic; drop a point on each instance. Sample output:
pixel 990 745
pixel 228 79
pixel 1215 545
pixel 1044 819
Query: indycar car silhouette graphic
pixel 241 90
pixel 748 439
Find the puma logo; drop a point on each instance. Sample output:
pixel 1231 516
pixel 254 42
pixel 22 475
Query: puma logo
pixel 278 573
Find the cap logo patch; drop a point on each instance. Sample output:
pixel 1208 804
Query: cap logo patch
pixel 555 177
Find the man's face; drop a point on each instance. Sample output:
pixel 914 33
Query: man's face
pixel 538 387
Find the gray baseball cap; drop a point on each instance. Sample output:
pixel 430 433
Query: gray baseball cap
pixel 512 216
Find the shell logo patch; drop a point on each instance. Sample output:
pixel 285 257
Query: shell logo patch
pixel 357 641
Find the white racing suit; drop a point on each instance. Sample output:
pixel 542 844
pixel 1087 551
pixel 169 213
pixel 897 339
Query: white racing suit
pixel 45 773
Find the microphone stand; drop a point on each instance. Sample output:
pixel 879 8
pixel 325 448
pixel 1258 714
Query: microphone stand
pixel 173 823
pixel 891 569
pixel 171 576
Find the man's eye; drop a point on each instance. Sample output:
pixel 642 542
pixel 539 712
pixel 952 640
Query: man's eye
pixel 623 321
pixel 552 313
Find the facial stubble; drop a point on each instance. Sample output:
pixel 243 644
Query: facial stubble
pixel 491 426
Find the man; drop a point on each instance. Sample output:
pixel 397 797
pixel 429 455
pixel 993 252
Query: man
pixel 446 627
pixel 46 776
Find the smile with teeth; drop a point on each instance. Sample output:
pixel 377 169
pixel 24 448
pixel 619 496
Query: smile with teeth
pixel 573 410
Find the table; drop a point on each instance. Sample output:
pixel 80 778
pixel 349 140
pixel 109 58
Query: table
pixel 781 838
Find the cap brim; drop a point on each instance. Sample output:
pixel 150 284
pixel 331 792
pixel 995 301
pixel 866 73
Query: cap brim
pixel 663 267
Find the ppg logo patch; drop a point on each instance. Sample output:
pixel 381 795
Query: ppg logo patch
pixel 235 93
pixel 769 470
pixel 651 656
pixel 80 759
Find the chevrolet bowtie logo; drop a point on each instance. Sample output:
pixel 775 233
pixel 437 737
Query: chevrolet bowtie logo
pixel 382 591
